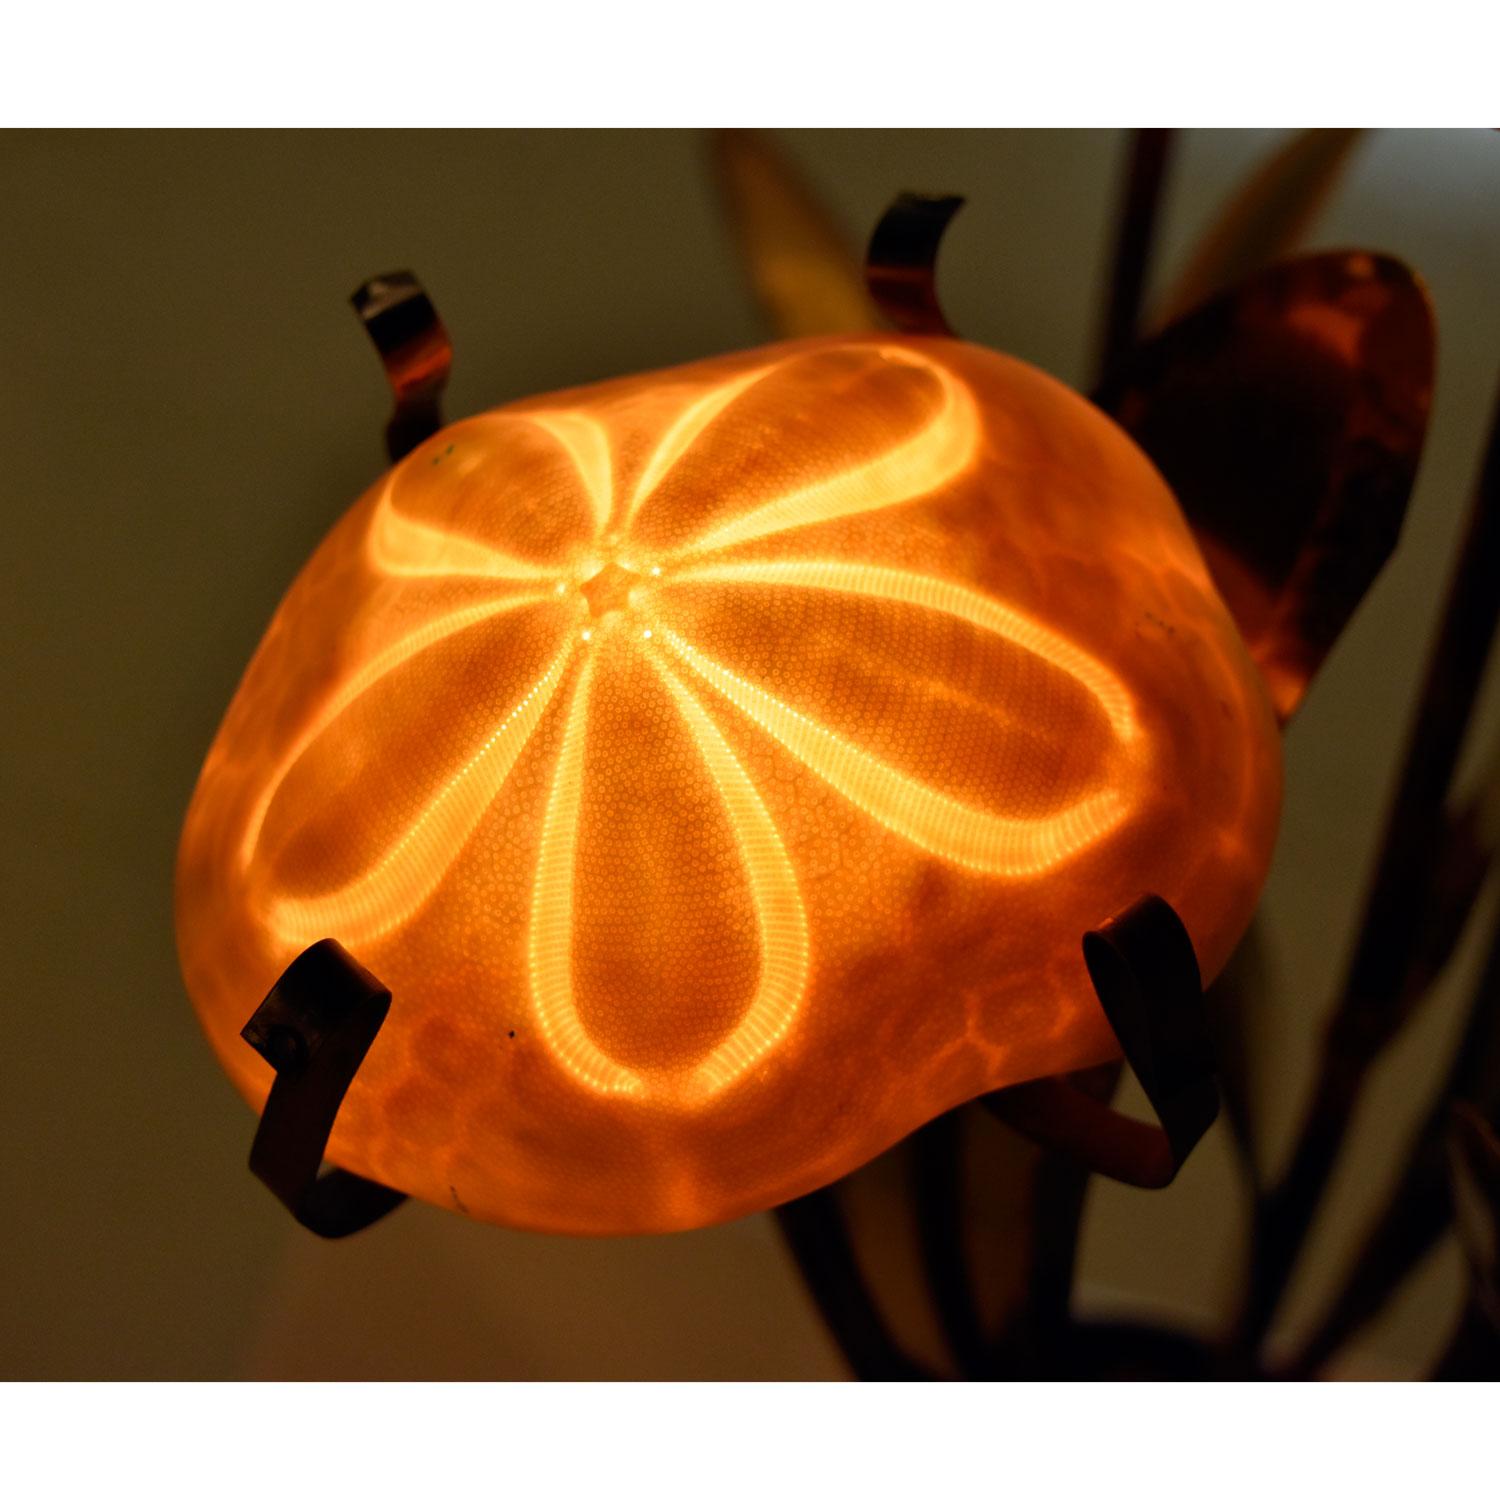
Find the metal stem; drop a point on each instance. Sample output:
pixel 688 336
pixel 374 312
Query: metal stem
pixel 819 1240
pixel 1150 156
pixel 1420 1209
pixel 1377 995
pixel 938 1187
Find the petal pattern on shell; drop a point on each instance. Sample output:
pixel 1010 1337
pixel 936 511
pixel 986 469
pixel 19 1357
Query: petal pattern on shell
pixel 943 597
pixel 359 682
pixel 586 443
pixel 551 938
pixel 684 432
pixel 940 824
pixel 400 547
pixel 413 866
pixel 780 915
pixel 713 917
pixel 940 449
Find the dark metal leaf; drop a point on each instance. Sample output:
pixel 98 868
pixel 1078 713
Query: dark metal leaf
pixel 804 274
pixel 1288 416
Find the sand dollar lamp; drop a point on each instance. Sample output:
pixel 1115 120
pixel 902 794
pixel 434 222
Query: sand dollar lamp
pixel 720 767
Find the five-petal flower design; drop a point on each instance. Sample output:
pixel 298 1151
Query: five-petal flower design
pixel 612 591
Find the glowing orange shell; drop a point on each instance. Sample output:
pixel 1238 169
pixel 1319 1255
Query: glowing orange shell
pixel 720 766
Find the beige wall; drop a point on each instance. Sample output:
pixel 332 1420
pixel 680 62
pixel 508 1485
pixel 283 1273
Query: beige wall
pixel 187 405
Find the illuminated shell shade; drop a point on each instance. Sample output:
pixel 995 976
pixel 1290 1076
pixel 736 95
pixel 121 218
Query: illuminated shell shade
pixel 721 766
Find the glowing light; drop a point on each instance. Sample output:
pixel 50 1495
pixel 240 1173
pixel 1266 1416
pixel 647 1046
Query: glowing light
pixel 934 822
pixel 779 913
pixel 727 775
pixel 941 449
pixel 587 444
pixel 551 943
pixel 408 872
pixel 942 597
pixel 684 432
pixel 358 684
pixel 401 547
pixel 598 580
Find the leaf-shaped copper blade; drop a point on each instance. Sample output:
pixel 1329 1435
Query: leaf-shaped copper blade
pixel 805 276
pixel 1266 217
pixel 1288 415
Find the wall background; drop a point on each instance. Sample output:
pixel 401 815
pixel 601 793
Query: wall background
pixel 187 403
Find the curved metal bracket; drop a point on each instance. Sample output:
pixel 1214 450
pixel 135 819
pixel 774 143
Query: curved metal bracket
pixel 414 348
pixel 900 265
pixel 314 1029
pixel 1145 974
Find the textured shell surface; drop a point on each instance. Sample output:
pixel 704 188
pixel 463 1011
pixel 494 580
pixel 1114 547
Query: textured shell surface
pixel 720 766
